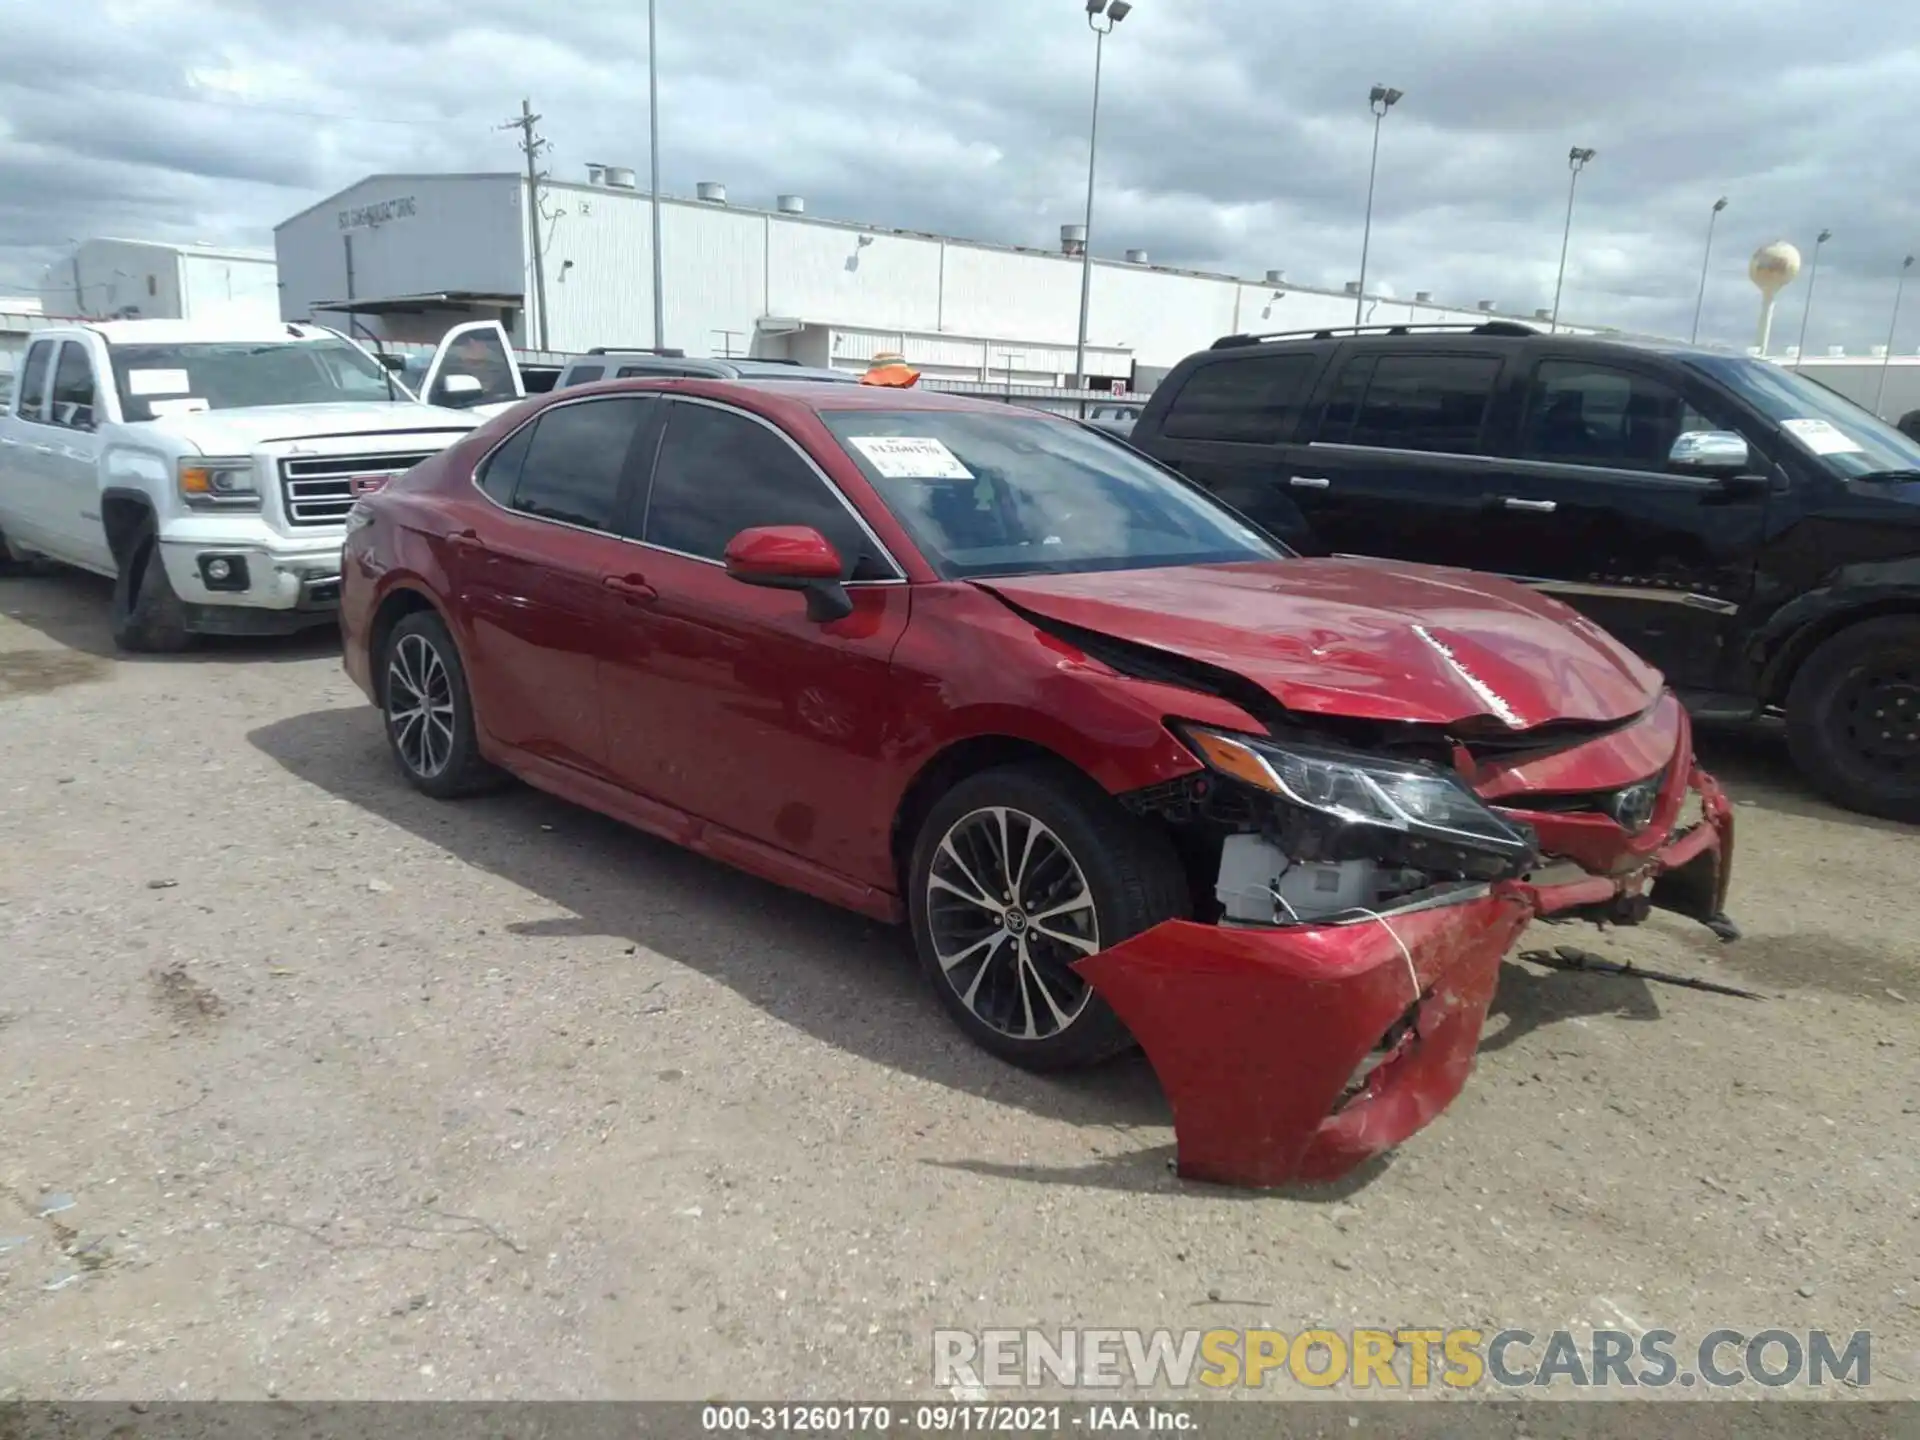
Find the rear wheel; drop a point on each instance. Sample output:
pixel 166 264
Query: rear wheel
pixel 1853 718
pixel 429 711
pixel 1019 872
pixel 148 618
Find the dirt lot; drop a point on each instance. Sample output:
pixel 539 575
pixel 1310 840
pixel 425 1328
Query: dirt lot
pixel 330 1090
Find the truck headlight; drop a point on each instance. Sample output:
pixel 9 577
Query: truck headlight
pixel 213 483
pixel 1415 800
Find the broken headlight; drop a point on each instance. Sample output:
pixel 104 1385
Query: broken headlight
pixel 1414 800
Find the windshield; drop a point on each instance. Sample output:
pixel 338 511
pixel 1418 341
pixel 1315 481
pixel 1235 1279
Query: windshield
pixel 985 494
pixel 1849 440
pixel 157 380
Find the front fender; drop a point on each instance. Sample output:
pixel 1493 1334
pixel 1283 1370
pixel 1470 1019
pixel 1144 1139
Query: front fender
pixel 1850 594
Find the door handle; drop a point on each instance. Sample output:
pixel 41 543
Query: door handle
pixel 632 589
pixel 1544 507
pixel 466 540
pixel 1310 482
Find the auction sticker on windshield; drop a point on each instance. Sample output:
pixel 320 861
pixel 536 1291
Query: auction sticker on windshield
pixel 158 382
pixel 911 457
pixel 1821 436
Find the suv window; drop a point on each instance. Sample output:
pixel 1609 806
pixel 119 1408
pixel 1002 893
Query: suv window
pixel 73 387
pixel 1585 414
pixel 1255 401
pixel 585 374
pixel 33 381
pixel 574 463
pixel 1412 402
pixel 719 472
pixel 642 372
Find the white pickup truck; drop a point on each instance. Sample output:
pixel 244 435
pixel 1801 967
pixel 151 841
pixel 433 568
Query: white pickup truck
pixel 209 469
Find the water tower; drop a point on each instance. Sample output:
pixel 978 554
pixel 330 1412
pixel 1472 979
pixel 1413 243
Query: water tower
pixel 1772 268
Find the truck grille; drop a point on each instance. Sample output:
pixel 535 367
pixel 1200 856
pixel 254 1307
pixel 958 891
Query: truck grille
pixel 320 490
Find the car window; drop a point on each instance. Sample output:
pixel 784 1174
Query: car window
pixel 499 473
pixel 585 374
pixel 1584 414
pixel 33 380
pixel 1843 438
pixel 1254 401
pixel 719 472
pixel 575 460
pixel 1414 402
pixel 653 372
pixel 73 387
pixel 988 493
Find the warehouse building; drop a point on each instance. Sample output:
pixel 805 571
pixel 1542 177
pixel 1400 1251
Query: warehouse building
pixel 404 257
pixel 106 279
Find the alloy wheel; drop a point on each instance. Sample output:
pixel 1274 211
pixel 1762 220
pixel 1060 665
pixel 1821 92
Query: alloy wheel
pixel 1010 910
pixel 420 707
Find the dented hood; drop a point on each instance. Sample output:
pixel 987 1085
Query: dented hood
pixel 1366 639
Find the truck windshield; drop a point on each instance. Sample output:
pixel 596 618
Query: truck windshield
pixel 158 380
pixel 1848 439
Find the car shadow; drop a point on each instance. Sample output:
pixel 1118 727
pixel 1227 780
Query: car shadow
pixel 849 982
pixel 72 608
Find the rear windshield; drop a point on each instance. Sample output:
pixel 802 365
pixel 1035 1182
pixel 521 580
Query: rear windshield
pixel 990 494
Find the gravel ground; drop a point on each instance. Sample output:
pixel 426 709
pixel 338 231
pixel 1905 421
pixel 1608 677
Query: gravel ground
pixel 334 1091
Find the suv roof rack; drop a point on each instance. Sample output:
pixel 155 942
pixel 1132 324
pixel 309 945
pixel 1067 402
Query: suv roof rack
pixel 637 350
pixel 1329 332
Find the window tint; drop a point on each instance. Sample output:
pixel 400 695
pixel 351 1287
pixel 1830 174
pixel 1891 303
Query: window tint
pixel 719 473
pixel 73 387
pixel 586 374
pixel 499 473
pixel 33 380
pixel 1254 401
pixel 1425 402
pixel 1584 414
pixel 575 460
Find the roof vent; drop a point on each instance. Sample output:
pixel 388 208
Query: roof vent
pixel 1353 287
pixel 1423 297
pixel 1276 277
pixel 791 205
pixel 1485 306
pixel 1543 313
pixel 1879 352
pixel 619 177
pixel 1835 352
pixel 711 191
pixel 596 174
pixel 1073 239
pixel 1136 257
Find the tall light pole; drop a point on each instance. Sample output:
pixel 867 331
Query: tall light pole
pixel 1113 13
pixel 1382 99
pixel 1577 159
pixel 653 138
pixel 1705 260
pixel 1892 325
pixel 1813 274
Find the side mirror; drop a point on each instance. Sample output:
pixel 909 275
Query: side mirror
pixel 462 389
pixel 792 557
pixel 1716 452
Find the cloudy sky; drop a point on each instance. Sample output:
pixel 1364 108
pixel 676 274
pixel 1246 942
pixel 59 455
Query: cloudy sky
pixel 1234 133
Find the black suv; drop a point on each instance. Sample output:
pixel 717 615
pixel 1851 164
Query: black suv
pixel 1750 532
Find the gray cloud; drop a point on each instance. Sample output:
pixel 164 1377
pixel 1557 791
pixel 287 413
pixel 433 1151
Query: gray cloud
pixel 1234 135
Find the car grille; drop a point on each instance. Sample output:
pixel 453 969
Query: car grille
pixel 320 490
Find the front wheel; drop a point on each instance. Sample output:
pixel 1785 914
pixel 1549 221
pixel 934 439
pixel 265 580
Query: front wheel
pixel 1017 873
pixel 1853 718
pixel 148 617
pixel 429 711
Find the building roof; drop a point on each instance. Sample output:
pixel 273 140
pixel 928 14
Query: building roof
pixel 395 175
pixel 384 304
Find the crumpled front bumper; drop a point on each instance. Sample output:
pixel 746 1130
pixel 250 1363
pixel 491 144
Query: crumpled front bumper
pixel 1255 1034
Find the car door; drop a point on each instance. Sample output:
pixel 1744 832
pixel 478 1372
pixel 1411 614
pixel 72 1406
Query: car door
pixel 736 707
pixel 1227 429
pixel 1593 509
pixel 529 564
pixel 1396 464
pixel 27 450
pixel 72 470
pixel 473 368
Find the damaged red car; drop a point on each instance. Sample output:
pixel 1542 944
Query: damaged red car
pixel 1130 770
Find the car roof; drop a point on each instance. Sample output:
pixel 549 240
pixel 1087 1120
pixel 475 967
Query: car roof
pixel 1502 333
pixel 817 395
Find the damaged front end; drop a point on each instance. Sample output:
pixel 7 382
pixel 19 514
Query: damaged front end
pixel 1327 1001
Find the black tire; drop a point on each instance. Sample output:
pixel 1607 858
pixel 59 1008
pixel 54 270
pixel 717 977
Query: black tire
pixel 1130 873
pixel 1853 718
pixel 148 617
pixel 16 561
pixel 435 748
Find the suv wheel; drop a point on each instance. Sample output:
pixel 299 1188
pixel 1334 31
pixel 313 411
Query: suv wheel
pixel 148 618
pixel 1017 873
pixel 1853 718
pixel 429 711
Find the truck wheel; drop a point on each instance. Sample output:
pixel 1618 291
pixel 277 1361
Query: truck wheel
pixel 148 617
pixel 1853 718
pixel 15 561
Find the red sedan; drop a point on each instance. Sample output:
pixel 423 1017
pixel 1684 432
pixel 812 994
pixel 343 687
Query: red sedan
pixel 1131 771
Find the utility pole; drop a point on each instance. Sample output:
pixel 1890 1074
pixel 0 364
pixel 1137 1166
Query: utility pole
pixel 653 183
pixel 532 144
